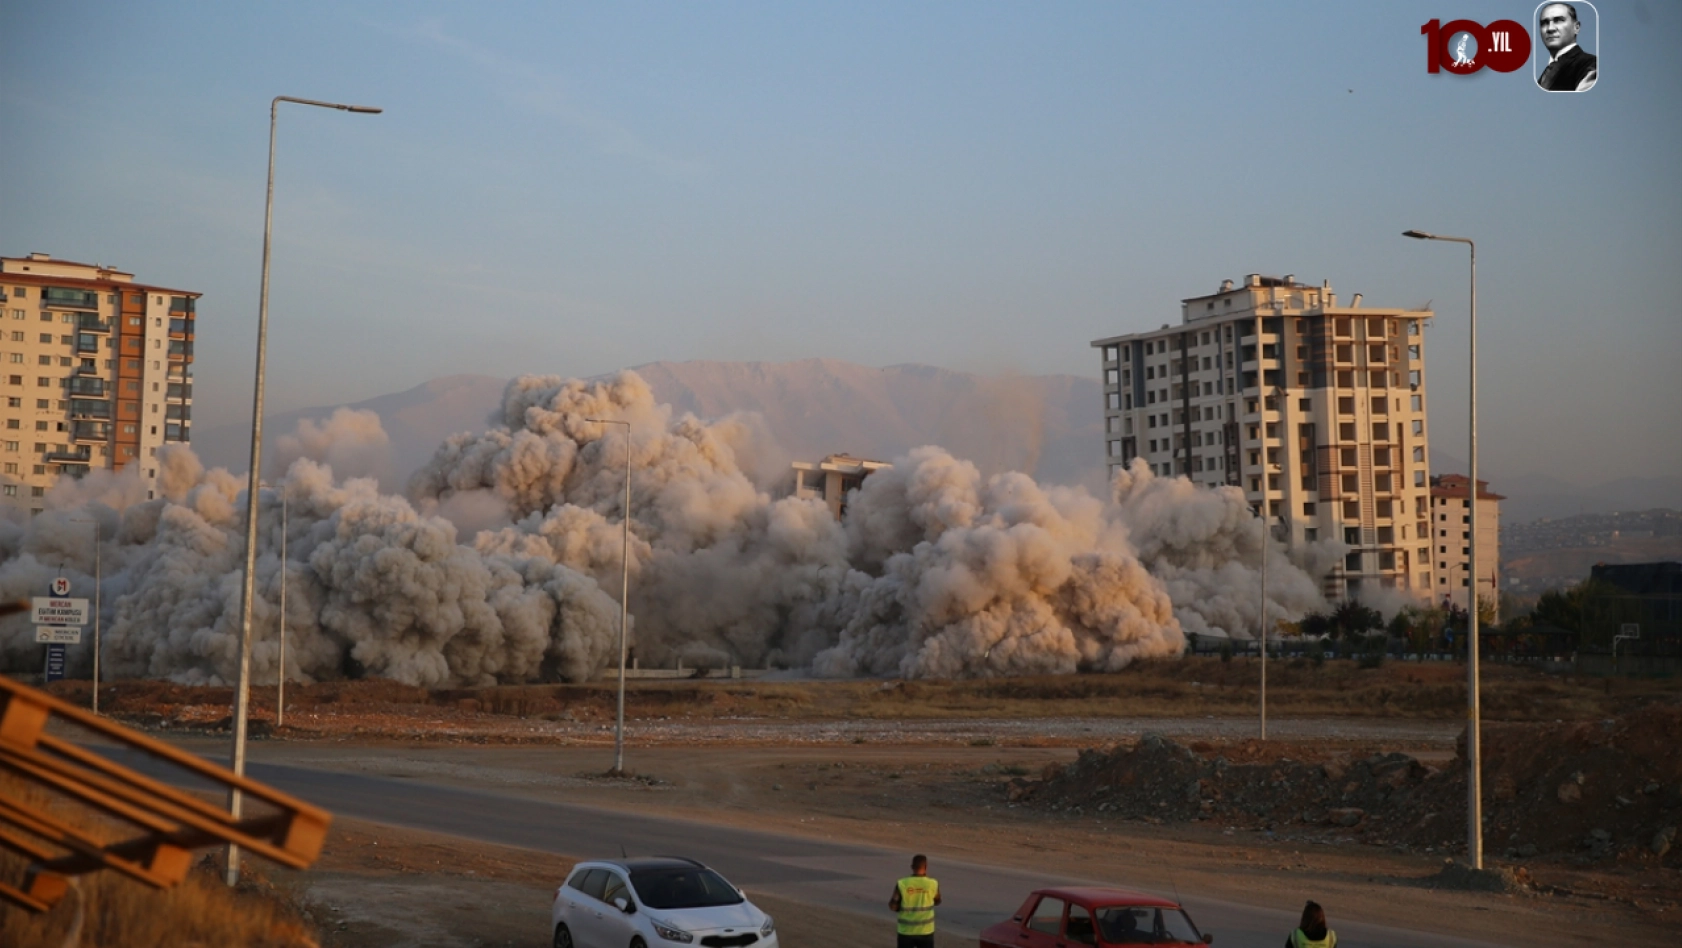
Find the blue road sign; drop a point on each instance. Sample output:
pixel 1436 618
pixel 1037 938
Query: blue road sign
pixel 55 662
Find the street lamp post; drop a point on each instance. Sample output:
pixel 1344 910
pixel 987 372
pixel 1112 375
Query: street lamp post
pixel 242 693
pixel 624 597
pixel 1261 617
pixel 280 678
pixel 1474 777
pixel 97 580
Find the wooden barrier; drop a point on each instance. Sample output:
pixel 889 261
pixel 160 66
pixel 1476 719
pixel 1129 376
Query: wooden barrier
pixel 166 824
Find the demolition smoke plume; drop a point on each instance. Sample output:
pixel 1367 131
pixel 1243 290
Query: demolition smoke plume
pixel 498 565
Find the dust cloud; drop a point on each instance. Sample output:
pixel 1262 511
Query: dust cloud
pixel 503 562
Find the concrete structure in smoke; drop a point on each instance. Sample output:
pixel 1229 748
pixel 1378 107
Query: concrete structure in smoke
pixel 830 479
pixel 1316 411
pixel 1451 533
pixel 96 370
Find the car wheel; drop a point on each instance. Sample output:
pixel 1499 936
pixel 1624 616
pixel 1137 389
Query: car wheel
pixel 637 942
pixel 563 937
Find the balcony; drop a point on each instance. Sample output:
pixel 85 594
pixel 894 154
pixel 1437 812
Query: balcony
pixel 63 455
pixel 90 432
pixel 178 412
pixel 53 297
pixel 87 385
pixel 87 342
pixel 180 391
pixel 89 408
pixel 179 350
pixel 90 322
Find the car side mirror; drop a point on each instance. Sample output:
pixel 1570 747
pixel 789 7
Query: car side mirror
pixel 1208 939
pixel 624 905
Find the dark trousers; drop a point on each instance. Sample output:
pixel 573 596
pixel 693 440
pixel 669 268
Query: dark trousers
pixel 916 941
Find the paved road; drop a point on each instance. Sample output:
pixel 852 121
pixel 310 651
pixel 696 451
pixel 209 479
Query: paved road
pixel 818 872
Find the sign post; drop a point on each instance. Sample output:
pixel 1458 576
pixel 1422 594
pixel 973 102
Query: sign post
pixel 58 622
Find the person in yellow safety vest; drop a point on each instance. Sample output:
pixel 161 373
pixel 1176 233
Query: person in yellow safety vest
pixel 1312 932
pixel 914 898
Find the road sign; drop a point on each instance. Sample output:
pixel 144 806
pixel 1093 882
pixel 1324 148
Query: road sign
pixel 58 634
pixel 50 610
pixel 55 662
pixel 61 587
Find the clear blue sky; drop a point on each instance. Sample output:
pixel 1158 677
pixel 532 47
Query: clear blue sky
pixel 572 188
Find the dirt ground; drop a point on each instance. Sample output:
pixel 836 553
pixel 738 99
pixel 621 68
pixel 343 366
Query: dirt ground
pixel 827 759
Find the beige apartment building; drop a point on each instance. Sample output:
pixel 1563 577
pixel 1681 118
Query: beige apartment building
pixel 1451 524
pixel 96 371
pixel 829 480
pixel 1316 411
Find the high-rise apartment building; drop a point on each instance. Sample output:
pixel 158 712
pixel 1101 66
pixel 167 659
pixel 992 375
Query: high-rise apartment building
pixel 1451 536
pixel 1316 411
pixel 96 371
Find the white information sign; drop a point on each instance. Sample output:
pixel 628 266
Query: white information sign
pixel 50 610
pixel 58 635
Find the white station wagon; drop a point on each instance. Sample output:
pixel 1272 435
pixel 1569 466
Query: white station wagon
pixel 655 902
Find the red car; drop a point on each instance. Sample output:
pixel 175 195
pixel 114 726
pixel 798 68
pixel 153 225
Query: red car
pixel 1079 915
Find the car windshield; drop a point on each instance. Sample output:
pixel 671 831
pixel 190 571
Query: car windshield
pixel 1146 925
pixel 681 887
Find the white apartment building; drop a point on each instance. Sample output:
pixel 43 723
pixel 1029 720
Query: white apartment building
pixel 1316 411
pixel 96 371
pixel 829 480
pixel 1451 524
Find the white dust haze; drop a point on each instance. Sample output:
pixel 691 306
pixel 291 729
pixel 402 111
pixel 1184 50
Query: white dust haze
pixel 503 564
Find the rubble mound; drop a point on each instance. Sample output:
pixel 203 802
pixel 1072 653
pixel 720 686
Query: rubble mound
pixel 1587 792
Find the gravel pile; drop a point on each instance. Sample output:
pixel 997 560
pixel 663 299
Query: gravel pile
pixel 1589 793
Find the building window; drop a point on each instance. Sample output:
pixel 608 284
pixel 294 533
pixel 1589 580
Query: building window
pixel 1418 427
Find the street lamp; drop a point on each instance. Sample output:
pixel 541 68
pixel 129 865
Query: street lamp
pixel 280 678
pixel 1474 778
pixel 242 693
pixel 96 584
pixel 1261 611
pixel 624 598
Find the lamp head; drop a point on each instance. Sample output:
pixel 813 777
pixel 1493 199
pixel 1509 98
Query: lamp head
pixel 1416 234
pixel 367 109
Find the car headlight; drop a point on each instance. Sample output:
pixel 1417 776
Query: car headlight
pixel 766 929
pixel 669 933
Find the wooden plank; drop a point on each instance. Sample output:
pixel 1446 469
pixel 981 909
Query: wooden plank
pixel 172 823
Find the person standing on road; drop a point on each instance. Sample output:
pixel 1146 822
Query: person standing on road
pixel 1312 931
pixel 914 899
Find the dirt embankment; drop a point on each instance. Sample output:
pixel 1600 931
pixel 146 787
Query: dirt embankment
pixel 1588 793
pixel 1192 687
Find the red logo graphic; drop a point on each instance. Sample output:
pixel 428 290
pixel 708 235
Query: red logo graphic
pixel 1463 46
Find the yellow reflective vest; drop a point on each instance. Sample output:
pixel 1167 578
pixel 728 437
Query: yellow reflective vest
pixel 916 905
pixel 1299 940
